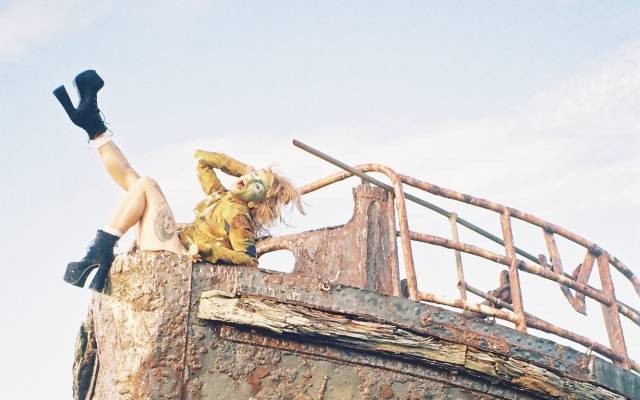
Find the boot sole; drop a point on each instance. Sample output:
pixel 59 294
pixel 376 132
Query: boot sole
pixel 83 277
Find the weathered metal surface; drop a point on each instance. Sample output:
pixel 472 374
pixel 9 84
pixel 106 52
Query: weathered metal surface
pixel 269 366
pixel 624 270
pixel 318 334
pixel 387 339
pixel 140 327
pixel 402 312
pixel 576 301
pixel 361 253
pixel 514 279
pixel 538 268
pixel 266 366
pixel 85 361
pixel 610 376
pixel 406 314
pixel 152 345
pixel 584 273
pixel 611 314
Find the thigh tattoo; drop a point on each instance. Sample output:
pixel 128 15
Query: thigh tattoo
pixel 155 184
pixel 164 225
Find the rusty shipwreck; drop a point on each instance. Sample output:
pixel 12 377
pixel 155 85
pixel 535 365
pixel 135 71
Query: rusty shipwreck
pixel 344 325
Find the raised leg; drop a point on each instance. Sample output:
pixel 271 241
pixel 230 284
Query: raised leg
pixel 116 163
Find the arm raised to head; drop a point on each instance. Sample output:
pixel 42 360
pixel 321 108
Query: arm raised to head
pixel 208 161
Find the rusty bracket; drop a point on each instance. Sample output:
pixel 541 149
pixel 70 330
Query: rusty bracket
pixel 576 302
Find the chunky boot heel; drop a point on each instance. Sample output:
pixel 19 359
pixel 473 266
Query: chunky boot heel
pixel 99 282
pixel 99 255
pixel 63 97
pixel 87 115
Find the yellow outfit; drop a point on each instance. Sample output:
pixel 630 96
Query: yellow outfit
pixel 222 228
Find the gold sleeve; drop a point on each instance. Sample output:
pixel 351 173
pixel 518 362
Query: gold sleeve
pixel 208 161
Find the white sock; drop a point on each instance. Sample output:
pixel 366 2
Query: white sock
pixel 113 231
pixel 101 141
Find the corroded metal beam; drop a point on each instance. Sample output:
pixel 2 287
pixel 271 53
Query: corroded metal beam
pixel 611 312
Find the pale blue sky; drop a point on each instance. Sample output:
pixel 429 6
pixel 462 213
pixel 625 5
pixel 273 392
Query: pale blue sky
pixel 533 104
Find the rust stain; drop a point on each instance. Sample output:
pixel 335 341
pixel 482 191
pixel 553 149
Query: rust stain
pixel 255 378
pixel 385 391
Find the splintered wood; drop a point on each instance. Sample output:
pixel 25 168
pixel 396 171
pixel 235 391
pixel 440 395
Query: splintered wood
pixel 389 339
pixel 289 318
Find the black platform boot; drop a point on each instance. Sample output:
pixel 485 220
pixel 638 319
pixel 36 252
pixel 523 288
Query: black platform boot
pixel 99 255
pixel 87 115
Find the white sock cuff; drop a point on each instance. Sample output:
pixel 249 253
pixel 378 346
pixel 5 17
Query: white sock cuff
pixel 113 231
pixel 100 141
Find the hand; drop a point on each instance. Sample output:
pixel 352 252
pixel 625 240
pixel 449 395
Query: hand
pixel 193 253
pixel 198 154
pixel 180 226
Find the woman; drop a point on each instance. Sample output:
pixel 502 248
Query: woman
pixel 226 221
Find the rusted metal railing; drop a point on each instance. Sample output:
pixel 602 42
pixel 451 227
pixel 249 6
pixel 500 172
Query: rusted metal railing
pixel 513 311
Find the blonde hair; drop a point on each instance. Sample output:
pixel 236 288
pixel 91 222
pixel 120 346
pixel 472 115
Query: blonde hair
pixel 280 193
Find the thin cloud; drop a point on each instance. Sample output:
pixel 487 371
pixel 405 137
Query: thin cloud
pixel 601 102
pixel 27 24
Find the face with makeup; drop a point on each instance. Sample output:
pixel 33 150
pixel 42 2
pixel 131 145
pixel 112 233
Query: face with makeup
pixel 253 186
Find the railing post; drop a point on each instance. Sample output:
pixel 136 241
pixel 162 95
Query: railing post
pixel 611 313
pixel 407 253
pixel 514 278
pixel 461 283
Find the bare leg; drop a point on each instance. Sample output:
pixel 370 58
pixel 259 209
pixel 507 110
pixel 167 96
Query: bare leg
pixel 130 209
pixel 145 205
pixel 117 165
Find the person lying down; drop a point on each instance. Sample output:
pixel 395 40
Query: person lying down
pixel 225 224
